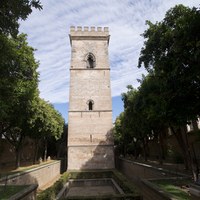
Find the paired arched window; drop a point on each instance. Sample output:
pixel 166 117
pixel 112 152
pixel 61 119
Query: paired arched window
pixel 90 61
pixel 90 104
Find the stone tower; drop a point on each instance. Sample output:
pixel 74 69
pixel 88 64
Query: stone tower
pixel 90 142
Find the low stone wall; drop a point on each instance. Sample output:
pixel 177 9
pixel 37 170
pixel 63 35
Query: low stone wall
pixel 28 193
pixel 136 171
pixel 41 175
pixel 150 191
pixel 195 191
pixel 140 174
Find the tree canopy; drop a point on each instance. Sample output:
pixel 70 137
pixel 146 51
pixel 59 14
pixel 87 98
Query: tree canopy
pixel 169 96
pixel 11 11
pixel 18 79
pixel 22 112
pixel 172 53
pixel 45 124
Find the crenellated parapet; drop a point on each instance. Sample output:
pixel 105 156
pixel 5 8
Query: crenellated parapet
pixel 88 29
pixel 79 32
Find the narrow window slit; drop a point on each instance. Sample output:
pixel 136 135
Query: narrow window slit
pixel 90 106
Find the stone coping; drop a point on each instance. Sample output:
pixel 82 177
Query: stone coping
pixel 6 178
pixel 90 111
pixel 156 168
pixel 63 191
pixel 90 69
pixel 24 192
pixel 195 190
pixel 156 189
pixel 91 145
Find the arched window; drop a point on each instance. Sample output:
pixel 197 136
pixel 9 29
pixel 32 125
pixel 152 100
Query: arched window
pixel 90 60
pixel 90 104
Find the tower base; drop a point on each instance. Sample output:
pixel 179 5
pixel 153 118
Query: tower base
pixel 90 157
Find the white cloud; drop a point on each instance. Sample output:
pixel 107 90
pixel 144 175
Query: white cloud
pixel 48 32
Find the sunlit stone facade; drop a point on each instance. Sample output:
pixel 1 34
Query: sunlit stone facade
pixel 90 142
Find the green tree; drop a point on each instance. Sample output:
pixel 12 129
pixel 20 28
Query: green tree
pixel 46 124
pixel 137 122
pixel 132 129
pixel 18 86
pixel 118 133
pixel 171 51
pixel 18 76
pixel 11 11
pixel 153 106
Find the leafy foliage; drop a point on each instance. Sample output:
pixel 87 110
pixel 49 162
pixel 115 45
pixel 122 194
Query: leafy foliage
pixel 13 11
pixel 18 86
pixel 22 112
pixel 46 122
pixel 18 78
pixel 169 96
pixel 171 51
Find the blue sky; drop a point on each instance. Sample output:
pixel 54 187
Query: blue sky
pixel 48 33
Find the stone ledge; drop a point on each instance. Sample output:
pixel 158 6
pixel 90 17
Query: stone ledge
pixel 155 168
pixel 195 190
pixel 25 193
pixel 91 145
pixel 27 171
pixel 90 69
pixel 90 111
pixel 164 195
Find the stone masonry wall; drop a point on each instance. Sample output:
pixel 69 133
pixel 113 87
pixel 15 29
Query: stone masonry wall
pixel 41 175
pixel 140 174
pixel 90 142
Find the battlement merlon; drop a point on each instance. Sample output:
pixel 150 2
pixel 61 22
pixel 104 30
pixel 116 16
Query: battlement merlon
pixel 96 33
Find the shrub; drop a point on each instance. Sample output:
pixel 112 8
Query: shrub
pixel 51 192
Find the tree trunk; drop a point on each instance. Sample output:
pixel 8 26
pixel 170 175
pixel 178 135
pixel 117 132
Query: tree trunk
pixel 144 149
pixel 45 150
pixel 135 150
pixel 189 155
pixel 124 150
pixel 163 143
pixel 18 156
pixel 160 148
pixel 195 125
pixel 158 139
pixel 36 151
pixel 196 171
pixel 179 137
